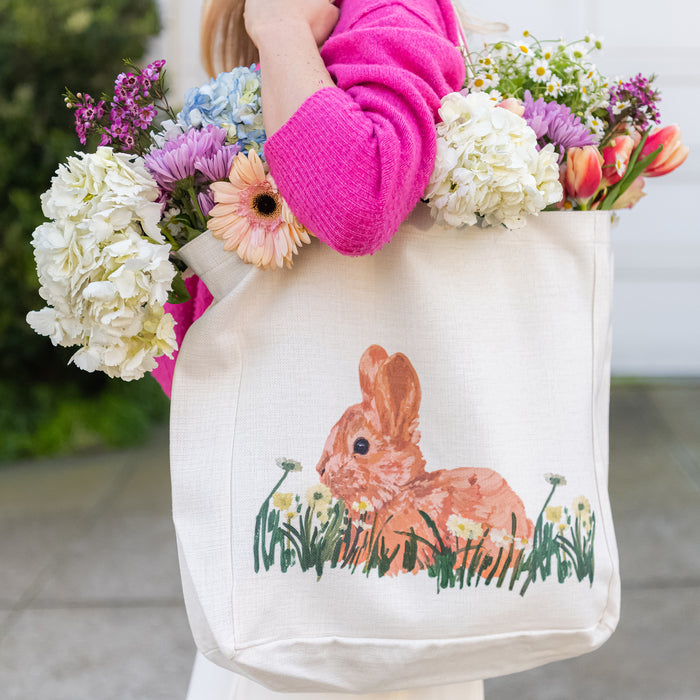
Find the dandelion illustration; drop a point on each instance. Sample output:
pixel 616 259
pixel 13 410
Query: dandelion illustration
pixel 282 501
pixel 364 505
pixel 318 496
pixel 288 465
pixel 553 513
pixel 464 528
pixel 555 479
pixel 581 507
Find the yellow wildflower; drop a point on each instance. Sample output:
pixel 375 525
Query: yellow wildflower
pixel 283 501
pixel 553 513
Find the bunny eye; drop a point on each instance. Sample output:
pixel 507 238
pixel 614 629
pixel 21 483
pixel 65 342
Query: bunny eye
pixel 361 446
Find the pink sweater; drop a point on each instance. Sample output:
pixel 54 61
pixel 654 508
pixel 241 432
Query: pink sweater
pixel 354 160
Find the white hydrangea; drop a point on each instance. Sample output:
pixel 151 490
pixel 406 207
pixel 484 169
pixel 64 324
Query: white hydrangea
pixel 488 166
pixel 103 269
pixel 110 189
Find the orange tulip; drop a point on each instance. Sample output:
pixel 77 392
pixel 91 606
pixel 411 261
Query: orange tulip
pixel 672 154
pixel 631 195
pixel 583 172
pixel 616 157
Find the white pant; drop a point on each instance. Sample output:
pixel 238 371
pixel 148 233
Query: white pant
pixel 211 682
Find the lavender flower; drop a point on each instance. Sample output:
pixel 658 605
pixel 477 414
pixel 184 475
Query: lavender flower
pixel 634 101
pixel 556 124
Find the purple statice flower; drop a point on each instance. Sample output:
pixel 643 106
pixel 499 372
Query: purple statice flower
pixel 556 124
pixel 176 161
pixel 634 101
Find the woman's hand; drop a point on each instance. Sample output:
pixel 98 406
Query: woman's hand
pixel 288 34
pixel 264 18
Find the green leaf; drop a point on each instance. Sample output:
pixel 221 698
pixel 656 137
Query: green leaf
pixel 178 294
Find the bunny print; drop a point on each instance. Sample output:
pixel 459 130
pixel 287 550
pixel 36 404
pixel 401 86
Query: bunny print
pixel 373 462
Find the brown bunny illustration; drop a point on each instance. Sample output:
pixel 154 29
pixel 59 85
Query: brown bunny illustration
pixel 373 462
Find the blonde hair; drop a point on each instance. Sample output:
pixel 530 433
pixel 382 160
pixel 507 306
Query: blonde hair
pixel 224 41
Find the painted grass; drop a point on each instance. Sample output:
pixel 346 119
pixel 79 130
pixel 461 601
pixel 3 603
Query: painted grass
pixel 313 537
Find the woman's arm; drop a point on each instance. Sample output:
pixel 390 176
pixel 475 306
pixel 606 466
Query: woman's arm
pixel 353 160
pixel 352 129
pixel 287 34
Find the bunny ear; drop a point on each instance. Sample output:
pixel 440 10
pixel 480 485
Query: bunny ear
pixel 371 360
pixel 397 396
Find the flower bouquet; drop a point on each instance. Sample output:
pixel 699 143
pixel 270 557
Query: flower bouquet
pixel 107 259
pixel 536 127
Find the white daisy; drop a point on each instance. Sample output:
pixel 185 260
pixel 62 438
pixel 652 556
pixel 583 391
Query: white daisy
pixel 539 71
pixel 483 81
pixel 554 87
pixel 596 126
pixel 364 505
pixel 501 538
pixel 464 528
pixel 495 96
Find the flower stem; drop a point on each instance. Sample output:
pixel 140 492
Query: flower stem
pixel 197 208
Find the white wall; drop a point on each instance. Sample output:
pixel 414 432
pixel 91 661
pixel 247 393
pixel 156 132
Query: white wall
pixel 657 244
pixel 179 46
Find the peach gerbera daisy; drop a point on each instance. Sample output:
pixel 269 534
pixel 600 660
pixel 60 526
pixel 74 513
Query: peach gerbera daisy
pixel 251 217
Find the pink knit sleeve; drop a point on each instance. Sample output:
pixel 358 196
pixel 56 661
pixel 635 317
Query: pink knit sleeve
pixel 185 315
pixel 354 160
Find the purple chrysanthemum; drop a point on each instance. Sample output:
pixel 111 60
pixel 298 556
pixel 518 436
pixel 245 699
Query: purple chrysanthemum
pixel 206 202
pixel 217 165
pixel 556 124
pixel 177 159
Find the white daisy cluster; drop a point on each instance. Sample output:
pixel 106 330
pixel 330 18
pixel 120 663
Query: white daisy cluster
pixel 488 166
pixel 103 265
pixel 555 70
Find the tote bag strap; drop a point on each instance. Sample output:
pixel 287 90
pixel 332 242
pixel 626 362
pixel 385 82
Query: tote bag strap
pixel 462 32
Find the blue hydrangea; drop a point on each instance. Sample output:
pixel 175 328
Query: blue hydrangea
pixel 231 100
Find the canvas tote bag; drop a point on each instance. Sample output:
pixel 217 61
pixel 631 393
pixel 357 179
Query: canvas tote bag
pixel 391 471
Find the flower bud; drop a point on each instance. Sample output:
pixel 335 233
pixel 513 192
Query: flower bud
pixel 583 172
pixel 616 157
pixel 513 104
pixel 673 152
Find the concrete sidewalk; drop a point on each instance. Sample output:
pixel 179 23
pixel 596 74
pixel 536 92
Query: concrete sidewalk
pixel 90 602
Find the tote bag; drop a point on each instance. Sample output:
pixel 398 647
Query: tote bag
pixel 391 471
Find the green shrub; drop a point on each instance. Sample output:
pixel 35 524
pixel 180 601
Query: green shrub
pixel 46 46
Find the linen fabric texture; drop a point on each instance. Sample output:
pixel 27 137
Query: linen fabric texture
pixel 427 396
